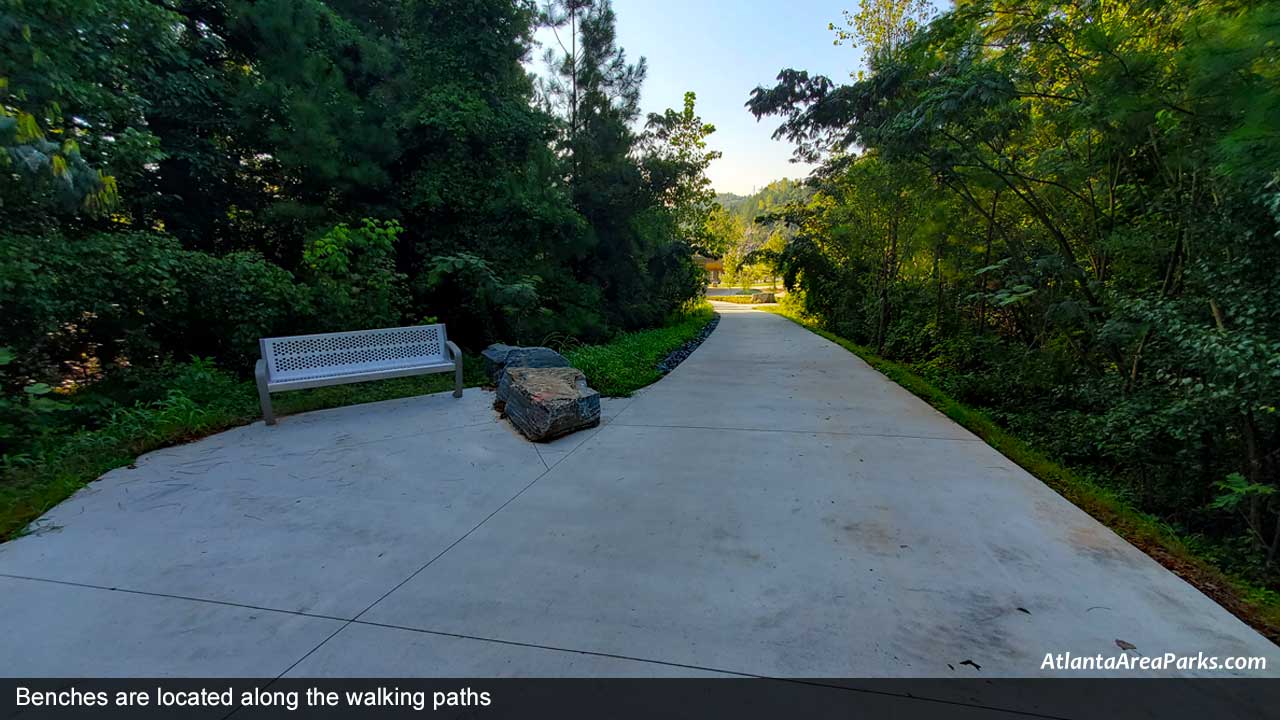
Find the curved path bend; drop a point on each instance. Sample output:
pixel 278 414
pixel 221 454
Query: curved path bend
pixel 773 507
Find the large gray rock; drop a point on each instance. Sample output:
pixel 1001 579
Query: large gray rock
pixel 495 358
pixel 763 297
pixel 545 403
pixel 498 357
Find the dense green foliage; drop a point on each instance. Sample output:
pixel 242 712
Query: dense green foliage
pixel 180 179
pixel 752 229
pixel 1067 213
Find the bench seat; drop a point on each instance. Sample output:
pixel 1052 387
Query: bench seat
pixel 299 362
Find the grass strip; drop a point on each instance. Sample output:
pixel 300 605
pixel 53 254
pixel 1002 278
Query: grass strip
pixel 630 361
pixel 739 299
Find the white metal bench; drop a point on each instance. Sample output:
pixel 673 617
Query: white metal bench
pixel 310 361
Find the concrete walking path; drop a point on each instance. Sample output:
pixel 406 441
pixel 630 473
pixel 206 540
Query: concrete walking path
pixel 773 507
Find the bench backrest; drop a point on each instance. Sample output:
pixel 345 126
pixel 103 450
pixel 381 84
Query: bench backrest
pixel 303 357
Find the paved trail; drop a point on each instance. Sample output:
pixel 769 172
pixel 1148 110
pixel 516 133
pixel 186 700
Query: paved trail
pixel 773 507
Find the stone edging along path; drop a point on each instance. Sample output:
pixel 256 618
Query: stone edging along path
pixel 682 353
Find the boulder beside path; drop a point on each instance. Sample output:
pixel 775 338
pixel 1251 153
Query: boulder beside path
pixel 545 403
pixel 499 357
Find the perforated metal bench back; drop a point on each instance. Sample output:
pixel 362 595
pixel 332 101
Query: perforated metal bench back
pixel 311 357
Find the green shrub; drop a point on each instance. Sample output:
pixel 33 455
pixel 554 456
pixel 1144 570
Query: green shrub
pixel 352 276
pixel 76 307
pixel 231 302
pixel 106 297
pixel 479 304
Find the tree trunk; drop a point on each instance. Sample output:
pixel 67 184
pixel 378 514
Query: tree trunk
pixel 1275 544
pixel 937 276
pixel 981 280
pixel 890 273
pixel 1166 290
pixel 1253 456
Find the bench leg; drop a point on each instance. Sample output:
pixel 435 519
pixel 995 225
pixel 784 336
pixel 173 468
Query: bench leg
pixel 264 396
pixel 456 355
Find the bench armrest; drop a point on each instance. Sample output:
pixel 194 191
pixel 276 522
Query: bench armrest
pixel 454 352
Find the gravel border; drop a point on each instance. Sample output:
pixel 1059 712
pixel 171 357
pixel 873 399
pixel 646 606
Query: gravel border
pixel 680 354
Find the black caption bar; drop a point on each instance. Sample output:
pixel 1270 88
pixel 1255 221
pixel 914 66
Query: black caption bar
pixel 241 698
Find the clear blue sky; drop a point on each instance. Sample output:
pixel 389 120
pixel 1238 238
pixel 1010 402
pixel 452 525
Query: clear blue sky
pixel 722 50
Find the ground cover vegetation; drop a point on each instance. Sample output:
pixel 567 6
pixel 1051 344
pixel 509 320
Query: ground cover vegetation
pixel 179 179
pixel 631 360
pixel 1064 215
